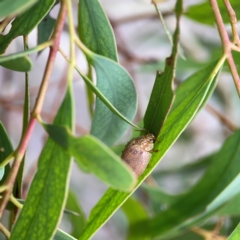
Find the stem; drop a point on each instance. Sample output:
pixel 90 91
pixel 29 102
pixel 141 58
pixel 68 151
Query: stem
pixel 222 118
pixel 25 53
pixel 220 25
pixel 233 21
pixel 7 160
pixel 15 202
pixel 37 108
pixel 72 43
pixel 5 22
pixel 4 231
pixel 227 44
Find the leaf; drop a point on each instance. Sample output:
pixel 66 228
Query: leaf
pixel 159 196
pixel 217 186
pixel 77 222
pixel 21 64
pixel 95 30
pixel 117 86
pixel 100 96
pixel 61 235
pixel 94 156
pixel 235 234
pixel 16 7
pixel 187 86
pixel 25 23
pixel 134 212
pixel 176 122
pixel 45 29
pixel 46 198
pixel 232 208
pixel 203 12
pixel 162 95
pixel 5 150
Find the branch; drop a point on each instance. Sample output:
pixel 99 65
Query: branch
pixel 37 109
pixel 227 44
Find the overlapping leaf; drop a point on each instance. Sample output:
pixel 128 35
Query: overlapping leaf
pixel 43 207
pixel 162 95
pixel 95 157
pixel 112 80
pixel 175 124
pixel 25 23
pixel 217 186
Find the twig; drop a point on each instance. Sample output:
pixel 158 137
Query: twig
pixel 222 118
pixel 233 21
pixel 4 231
pixel 227 44
pixel 37 108
pixel 5 22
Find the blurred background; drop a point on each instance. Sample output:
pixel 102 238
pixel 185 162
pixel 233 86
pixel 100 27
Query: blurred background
pixel 142 48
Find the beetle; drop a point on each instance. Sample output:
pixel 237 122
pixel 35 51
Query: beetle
pixel 137 153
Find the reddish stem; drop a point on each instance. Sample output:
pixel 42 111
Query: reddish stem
pixel 37 108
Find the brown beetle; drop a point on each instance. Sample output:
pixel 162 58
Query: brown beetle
pixel 137 153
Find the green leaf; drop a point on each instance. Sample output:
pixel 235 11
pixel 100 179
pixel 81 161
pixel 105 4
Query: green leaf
pixel 61 235
pixel 217 186
pixel 5 150
pixel 93 156
pixel 187 86
pixel 232 208
pixel 101 96
pixel 46 198
pixel 16 7
pixel 134 212
pixel 117 86
pixel 77 222
pixel 176 122
pixel 45 29
pixel 203 12
pixel 162 95
pixel 25 23
pixel 21 64
pixel 95 30
pixel 159 196
pixel 235 234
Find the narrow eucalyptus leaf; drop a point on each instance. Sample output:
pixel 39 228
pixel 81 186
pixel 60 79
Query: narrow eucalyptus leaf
pixel 46 198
